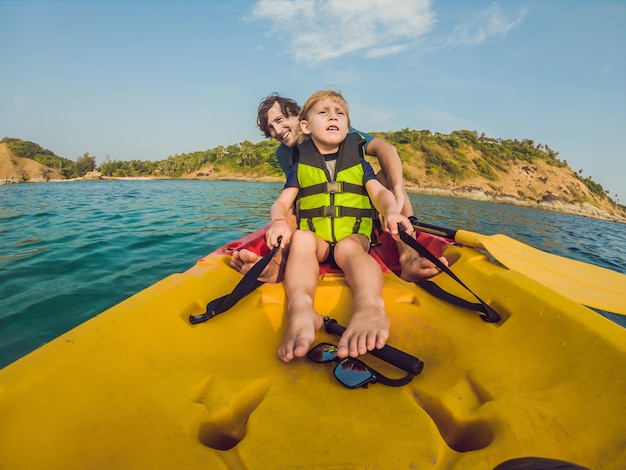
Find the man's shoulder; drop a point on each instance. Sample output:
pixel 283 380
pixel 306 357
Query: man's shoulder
pixel 364 135
pixel 284 155
pixel 282 149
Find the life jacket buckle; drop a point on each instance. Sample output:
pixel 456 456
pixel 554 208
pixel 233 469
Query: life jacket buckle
pixel 332 187
pixel 329 212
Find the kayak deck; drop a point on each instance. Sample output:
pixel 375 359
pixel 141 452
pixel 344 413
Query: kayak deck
pixel 138 386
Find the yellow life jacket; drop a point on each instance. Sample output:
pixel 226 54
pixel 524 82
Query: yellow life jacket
pixel 334 206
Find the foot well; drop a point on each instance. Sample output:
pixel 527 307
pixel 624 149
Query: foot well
pixel 228 407
pixel 460 414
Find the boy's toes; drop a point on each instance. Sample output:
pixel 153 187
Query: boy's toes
pixel 285 352
pixel 302 347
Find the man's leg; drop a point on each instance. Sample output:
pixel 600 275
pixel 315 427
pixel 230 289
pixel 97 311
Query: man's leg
pixel 243 260
pixel 413 267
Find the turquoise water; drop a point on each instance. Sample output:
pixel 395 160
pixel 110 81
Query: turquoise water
pixel 70 250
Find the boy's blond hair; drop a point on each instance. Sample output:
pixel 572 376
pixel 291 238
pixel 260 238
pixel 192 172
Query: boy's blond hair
pixel 322 95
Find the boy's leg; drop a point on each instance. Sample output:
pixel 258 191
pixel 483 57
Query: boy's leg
pixel 369 325
pixel 301 274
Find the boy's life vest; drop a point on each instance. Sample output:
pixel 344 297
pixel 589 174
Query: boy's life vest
pixel 334 206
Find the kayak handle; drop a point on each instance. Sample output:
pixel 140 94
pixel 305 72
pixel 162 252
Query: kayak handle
pixel 387 353
pixel 432 229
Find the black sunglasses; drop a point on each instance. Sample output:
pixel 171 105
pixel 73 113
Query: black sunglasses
pixel 351 372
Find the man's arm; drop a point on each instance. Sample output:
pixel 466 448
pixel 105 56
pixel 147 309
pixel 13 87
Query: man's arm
pixel 280 213
pixel 391 166
pixel 385 203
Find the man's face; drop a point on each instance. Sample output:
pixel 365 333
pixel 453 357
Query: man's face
pixel 281 127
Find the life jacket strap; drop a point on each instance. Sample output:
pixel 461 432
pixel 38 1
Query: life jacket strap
pixel 335 212
pixel 333 187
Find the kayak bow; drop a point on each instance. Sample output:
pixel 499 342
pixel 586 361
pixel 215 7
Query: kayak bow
pixel 138 386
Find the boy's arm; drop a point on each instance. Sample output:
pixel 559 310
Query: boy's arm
pixel 385 203
pixel 279 216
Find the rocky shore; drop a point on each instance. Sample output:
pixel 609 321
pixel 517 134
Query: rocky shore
pixel 581 209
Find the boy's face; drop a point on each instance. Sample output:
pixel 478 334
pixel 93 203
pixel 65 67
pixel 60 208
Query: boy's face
pixel 328 125
pixel 281 127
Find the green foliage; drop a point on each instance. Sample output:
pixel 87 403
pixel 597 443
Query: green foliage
pixel 85 164
pixel 595 188
pixel 243 158
pixel 497 153
pixel 404 136
pixel 120 169
pixel 485 169
pixel 466 136
pixel 439 162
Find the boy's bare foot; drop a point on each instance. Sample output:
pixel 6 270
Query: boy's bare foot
pixel 368 329
pixel 300 334
pixel 244 259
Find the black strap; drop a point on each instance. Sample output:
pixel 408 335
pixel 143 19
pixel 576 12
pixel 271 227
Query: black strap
pixel 333 187
pixel 488 314
pixel 246 285
pixel 336 211
pixel 438 292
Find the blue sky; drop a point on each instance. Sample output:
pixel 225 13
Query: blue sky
pixel 145 80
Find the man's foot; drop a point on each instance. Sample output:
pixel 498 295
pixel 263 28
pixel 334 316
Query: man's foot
pixel 368 329
pixel 244 259
pixel 414 268
pixel 300 334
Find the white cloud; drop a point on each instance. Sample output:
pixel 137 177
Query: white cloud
pixel 317 30
pixel 490 23
pixel 383 51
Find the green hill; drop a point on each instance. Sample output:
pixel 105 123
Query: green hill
pixel 461 164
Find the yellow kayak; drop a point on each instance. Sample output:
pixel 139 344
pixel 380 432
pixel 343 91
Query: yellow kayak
pixel 139 386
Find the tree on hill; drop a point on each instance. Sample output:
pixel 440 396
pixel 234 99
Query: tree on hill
pixel 85 164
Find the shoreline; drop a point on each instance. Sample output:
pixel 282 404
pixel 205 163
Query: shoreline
pixel 579 209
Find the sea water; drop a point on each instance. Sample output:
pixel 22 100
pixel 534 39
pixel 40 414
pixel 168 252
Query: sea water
pixel 70 250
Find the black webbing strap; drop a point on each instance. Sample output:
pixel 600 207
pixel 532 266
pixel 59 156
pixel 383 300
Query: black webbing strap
pixel 247 284
pixel 333 187
pixel 488 314
pixel 336 211
pixel 438 292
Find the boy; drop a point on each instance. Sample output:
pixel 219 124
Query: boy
pixel 335 186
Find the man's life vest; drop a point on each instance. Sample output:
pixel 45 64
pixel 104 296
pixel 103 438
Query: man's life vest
pixel 334 206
